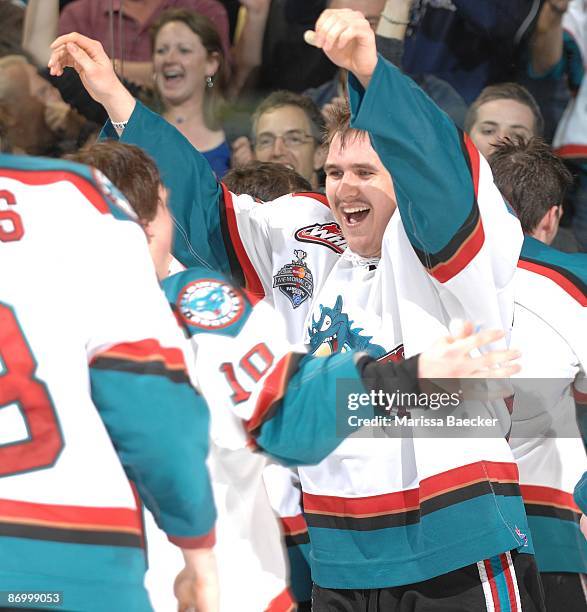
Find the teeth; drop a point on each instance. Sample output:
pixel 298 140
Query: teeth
pixel 355 209
pixel 171 73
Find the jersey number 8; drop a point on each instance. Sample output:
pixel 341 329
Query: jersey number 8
pixel 18 385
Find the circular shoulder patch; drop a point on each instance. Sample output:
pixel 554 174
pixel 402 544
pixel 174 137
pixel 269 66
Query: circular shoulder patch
pixel 210 304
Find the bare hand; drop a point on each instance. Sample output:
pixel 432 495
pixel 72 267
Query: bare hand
pixel 88 59
pixel 196 586
pixel 450 357
pixel 583 525
pixel 348 40
pixel 242 152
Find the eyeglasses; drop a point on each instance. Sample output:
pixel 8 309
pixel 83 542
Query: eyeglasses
pixel 291 140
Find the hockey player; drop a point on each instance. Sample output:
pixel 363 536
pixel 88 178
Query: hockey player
pixel 550 328
pixel 453 255
pixel 94 392
pixel 238 362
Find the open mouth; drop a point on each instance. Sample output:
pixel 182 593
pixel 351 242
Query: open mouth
pixel 356 214
pixel 333 342
pixel 172 75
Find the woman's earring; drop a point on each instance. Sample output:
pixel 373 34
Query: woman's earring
pixel 209 81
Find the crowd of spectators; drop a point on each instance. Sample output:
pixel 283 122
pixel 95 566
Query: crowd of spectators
pixel 239 82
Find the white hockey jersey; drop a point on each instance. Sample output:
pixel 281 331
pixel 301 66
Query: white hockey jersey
pixel 90 361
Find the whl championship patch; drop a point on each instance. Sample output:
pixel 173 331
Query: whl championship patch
pixel 295 280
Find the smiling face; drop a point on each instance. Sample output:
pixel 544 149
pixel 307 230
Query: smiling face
pixel 499 119
pixel 299 151
pixel 360 192
pixel 181 63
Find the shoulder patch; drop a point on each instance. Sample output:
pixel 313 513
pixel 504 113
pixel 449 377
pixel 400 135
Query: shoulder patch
pixel 210 304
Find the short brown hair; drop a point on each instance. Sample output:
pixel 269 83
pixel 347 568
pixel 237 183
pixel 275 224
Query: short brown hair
pixel 265 181
pixel 206 31
pixel 530 177
pixel 130 169
pixel 506 91
pixel 338 121
pixel 283 97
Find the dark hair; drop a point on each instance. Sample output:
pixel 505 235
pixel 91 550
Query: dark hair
pixel 202 27
pixel 281 98
pixel 530 177
pixel 506 91
pixel 338 121
pixel 130 169
pixel 265 181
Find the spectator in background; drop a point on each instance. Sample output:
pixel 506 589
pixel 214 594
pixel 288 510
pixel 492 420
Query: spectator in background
pixel 287 129
pixel 509 111
pixel 469 43
pixel 558 56
pixel 130 23
pixel 389 19
pixel 191 78
pixel 501 111
pixel 22 114
pixel 265 181
pixel 11 18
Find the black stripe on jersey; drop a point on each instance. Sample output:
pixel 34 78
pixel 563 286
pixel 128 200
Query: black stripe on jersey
pixel 236 272
pixel 410 517
pixel 297 540
pixel 155 368
pixel 431 260
pixel 367 523
pixel 552 512
pixel 572 278
pixel 444 500
pixel 72 536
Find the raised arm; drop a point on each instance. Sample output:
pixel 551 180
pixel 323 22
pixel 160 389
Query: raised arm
pixel 40 28
pixel 546 44
pixel 194 192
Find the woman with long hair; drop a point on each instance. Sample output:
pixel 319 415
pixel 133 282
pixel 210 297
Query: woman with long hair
pixel 190 76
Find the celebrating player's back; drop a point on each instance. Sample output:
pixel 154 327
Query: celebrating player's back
pixel 94 395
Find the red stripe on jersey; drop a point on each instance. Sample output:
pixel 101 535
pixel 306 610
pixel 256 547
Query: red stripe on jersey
pixel 580 397
pixel 507 572
pixel 410 499
pixel 475 162
pixel 273 390
pixel 293 525
pixel 446 270
pixel 571 151
pixel 145 350
pixel 284 602
pixel 466 475
pixel 492 585
pixel 320 197
pixel 253 285
pixel 533 494
pixel 77 517
pixel 563 282
pixel 49 177
pixel 205 541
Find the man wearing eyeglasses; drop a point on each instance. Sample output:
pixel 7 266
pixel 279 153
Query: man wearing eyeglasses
pixel 287 129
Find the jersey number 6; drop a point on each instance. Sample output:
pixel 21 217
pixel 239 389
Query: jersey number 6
pixel 18 385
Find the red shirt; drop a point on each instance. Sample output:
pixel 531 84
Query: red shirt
pixel 91 18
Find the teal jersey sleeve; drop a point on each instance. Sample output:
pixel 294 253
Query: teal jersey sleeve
pixel 570 64
pixel 292 406
pixel 581 493
pixel 195 195
pixel 159 427
pixel 432 164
